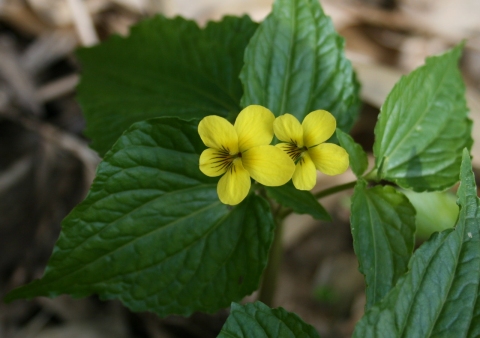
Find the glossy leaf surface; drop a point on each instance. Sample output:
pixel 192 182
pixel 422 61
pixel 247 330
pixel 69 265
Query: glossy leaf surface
pixel 438 297
pixel 295 63
pixel 153 233
pixel 165 67
pixel 358 157
pixel 423 126
pixel 300 201
pixel 259 321
pixel 383 228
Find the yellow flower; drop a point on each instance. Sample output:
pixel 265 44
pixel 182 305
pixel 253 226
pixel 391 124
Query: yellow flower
pixel 304 144
pixel 242 151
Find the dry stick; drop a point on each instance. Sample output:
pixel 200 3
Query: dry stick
pixel 83 23
pixel 403 19
pixel 48 48
pixel 15 172
pixel 16 76
pixel 34 326
pixel 42 52
pixel 69 143
pixel 58 88
pixel 22 18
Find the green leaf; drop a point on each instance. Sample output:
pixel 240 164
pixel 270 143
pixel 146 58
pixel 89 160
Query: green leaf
pixel 259 321
pixel 438 297
pixel 358 157
pixel 295 63
pixel 383 229
pixel 423 126
pixel 302 202
pixel 153 233
pixel 166 67
pixel 436 211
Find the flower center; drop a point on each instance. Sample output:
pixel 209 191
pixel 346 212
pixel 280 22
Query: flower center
pixel 224 160
pixel 294 151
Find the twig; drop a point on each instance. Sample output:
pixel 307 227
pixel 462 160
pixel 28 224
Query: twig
pixel 47 49
pixel 58 88
pixel 333 190
pixel 83 23
pixel 16 76
pixel 15 172
pixel 68 142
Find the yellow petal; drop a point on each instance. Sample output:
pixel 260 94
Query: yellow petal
pixel 318 126
pixel 305 175
pixel 216 132
pixel 268 165
pixel 254 126
pixel 329 158
pixel 288 129
pixel 213 162
pixel 233 187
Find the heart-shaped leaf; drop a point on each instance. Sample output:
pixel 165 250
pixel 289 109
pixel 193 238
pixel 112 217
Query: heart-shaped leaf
pixel 153 233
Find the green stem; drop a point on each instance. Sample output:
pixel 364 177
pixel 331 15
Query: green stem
pixel 270 275
pixel 287 211
pixel 333 190
pixel 372 176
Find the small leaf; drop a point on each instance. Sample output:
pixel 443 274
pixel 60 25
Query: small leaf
pixel 423 126
pixel 358 157
pixel 166 67
pixel 302 202
pixel 295 63
pixel 436 211
pixel 259 321
pixel 383 228
pixel 439 296
pixel 153 233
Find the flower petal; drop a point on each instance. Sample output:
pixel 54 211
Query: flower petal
pixel 268 165
pixel 254 126
pixel 234 186
pixel 329 158
pixel 305 175
pixel 213 162
pixel 318 126
pixel 288 129
pixel 216 132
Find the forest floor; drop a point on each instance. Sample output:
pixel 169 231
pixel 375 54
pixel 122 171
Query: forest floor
pixel 46 166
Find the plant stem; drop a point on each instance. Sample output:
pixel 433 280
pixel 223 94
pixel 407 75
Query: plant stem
pixel 333 190
pixel 270 275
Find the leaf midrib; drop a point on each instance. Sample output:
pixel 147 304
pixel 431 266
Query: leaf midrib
pixel 462 236
pixel 422 117
pixel 414 296
pixel 421 150
pixel 135 209
pixel 286 82
pixel 135 239
pixel 195 240
pixel 372 229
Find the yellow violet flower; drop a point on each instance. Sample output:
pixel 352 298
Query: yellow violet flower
pixel 242 151
pixel 304 144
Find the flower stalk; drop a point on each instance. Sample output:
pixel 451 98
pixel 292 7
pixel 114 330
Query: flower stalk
pixel 270 275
